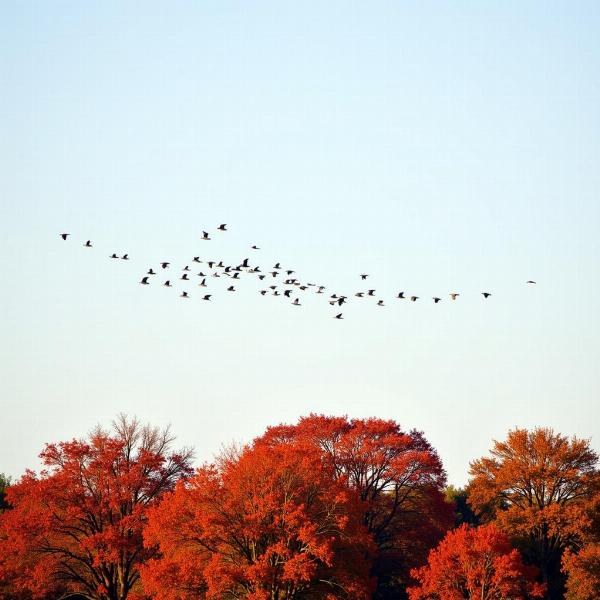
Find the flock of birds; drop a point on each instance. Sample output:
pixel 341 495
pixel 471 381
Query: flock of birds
pixel 279 281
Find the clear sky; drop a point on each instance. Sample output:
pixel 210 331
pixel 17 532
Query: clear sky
pixel 438 146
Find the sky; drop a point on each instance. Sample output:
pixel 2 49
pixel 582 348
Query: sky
pixel 437 146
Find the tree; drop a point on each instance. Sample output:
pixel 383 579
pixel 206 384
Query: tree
pixel 262 524
pixel 397 475
pixel 77 527
pixel 582 565
pixel 4 483
pixel 536 486
pixel 463 513
pixel 475 563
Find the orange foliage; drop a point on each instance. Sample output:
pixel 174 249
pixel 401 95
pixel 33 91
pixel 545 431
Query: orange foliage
pixel 536 485
pixel 78 526
pixel 263 524
pixel 475 563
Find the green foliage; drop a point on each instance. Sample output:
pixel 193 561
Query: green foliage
pixel 462 511
pixel 4 483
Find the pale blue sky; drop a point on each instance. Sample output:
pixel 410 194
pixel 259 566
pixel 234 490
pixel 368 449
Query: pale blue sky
pixel 438 146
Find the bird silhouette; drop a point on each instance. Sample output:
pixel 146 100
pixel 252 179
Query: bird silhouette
pixel 380 303
pixel 530 281
pixel 186 268
pixel 145 281
pixel 125 257
pixel 287 293
pixel 64 235
pixel 359 294
pixel 486 294
pixel 263 292
pixel 222 227
pixel 296 302
pixel 151 272
pixel 113 255
pixel 338 316
pixel 363 276
pixel 454 295
pixel 184 295
pixel 371 292
pixel 277 266
pixel 205 235
pixel 167 283
pixel 400 295
pixel 436 299
pixel 414 298
pixel 231 288
pixel 196 259
pixel 255 247
pixel 207 297
pixel 202 283
pixel 165 265
pixel 88 244
pixel 184 277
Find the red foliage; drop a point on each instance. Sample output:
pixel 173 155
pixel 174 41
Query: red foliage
pixel 78 526
pixel 475 563
pixel 399 477
pixel 264 524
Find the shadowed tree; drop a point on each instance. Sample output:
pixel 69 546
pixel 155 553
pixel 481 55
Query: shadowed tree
pixel 536 486
pixel 77 527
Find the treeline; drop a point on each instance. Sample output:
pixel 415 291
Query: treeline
pixel 328 508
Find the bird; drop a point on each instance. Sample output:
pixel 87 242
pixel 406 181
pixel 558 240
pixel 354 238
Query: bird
pixel 371 292
pixel 290 272
pixel 167 283
pixel 287 293
pixel 207 297
pixel 261 277
pixel 210 264
pixel 184 295
pixel 400 295
pixel 414 298
pixel 530 282
pixel 145 281
pixel 277 266
pixel 338 316
pixel 296 302
pixel 186 268
pixel 380 303
pixel 196 259
pixel 245 262
pixel 201 274
pixel 359 294
pixel 184 277
pixel 113 255
pixel 64 235
pixel 255 247
pixel 202 283
pixel 231 288
pixel 88 244
pixel 222 227
pixel 125 257
pixel 205 235
pixel 486 294
pixel 436 299
pixel 165 265
pixel 454 295
pixel 363 276
pixel 263 292
pixel 151 272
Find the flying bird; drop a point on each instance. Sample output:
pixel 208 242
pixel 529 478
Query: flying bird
pixel 207 297
pixel 113 255
pixel 222 227
pixel 202 283
pixel 359 294
pixel 184 295
pixel 64 235
pixel 436 299
pixel 165 265
pixel 196 259
pixel 88 244
pixel 454 295
pixel 363 276
pixel 296 302
pixel 151 272
pixel 184 277
pixel 231 288
pixel 400 295
pixel 125 257
pixel 277 266
pixel 338 316
pixel 255 247
pixel 145 281
pixel 414 298
pixel 205 235
pixel 530 281
pixel 186 268
pixel 380 303
pixel 167 283
pixel 371 292
pixel 486 294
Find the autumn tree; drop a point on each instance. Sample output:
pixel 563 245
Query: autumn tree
pixel 535 486
pixel 397 475
pixel 4 483
pixel 262 524
pixel 475 563
pixel 582 564
pixel 77 526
